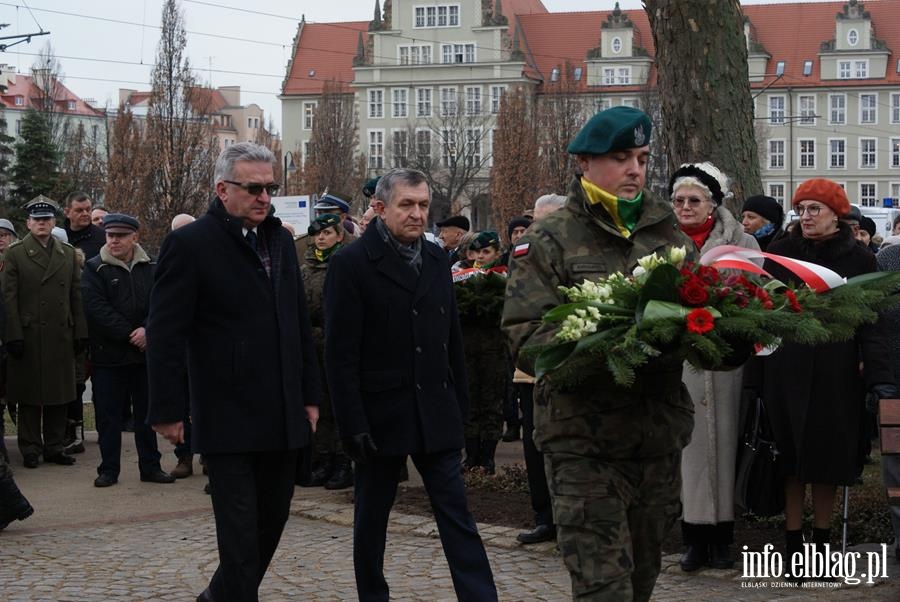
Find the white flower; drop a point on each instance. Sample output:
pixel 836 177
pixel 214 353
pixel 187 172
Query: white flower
pixel 649 262
pixel 677 256
pixel 638 271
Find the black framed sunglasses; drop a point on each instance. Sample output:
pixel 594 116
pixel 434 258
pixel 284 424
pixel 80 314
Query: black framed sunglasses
pixel 256 188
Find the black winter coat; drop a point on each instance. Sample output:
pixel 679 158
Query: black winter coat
pixel 244 337
pixel 815 395
pixel 393 348
pixel 90 240
pixel 116 302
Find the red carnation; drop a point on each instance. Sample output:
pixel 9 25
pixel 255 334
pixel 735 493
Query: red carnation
pixel 763 296
pixel 699 321
pixel 693 293
pixel 792 301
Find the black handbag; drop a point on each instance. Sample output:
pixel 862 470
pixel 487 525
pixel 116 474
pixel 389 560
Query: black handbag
pixel 759 485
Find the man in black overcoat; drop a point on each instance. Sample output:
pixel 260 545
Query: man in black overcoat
pixel 395 367
pixel 229 305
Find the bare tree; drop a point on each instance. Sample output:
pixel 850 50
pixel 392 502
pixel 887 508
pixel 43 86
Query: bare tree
pixel 704 89
pixel 561 113
pixel 332 161
pixel 83 165
pixel 46 73
pixel 130 163
pixel 516 157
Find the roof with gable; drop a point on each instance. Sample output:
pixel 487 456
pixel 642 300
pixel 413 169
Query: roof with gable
pixel 324 52
pixel 23 86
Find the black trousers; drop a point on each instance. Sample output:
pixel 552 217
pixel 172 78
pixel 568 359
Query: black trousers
pixel 37 420
pixel 375 490
pixel 251 497
pixel 534 459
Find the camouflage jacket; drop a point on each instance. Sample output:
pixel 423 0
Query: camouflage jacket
pixel 596 417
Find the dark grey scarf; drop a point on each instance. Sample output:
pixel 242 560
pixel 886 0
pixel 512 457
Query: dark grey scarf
pixel 411 254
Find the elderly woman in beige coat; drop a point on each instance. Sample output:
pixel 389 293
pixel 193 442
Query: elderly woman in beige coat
pixel 707 464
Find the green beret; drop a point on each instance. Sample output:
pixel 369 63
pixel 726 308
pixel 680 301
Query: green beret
pixel 618 128
pixel 326 220
pixel 485 239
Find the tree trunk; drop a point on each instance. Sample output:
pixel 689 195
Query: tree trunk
pixel 704 90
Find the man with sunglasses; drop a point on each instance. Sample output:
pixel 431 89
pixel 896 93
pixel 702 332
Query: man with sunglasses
pixel 229 308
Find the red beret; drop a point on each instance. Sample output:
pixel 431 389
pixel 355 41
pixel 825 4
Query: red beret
pixel 826 192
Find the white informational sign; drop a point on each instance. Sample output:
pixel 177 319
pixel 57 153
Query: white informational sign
pixel 294 210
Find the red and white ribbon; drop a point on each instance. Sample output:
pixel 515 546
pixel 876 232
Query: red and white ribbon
pixel 817 277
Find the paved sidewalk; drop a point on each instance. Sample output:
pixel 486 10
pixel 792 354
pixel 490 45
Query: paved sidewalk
pixel 142 541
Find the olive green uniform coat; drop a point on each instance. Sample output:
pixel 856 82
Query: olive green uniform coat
pixel 612 454
pixel 42 294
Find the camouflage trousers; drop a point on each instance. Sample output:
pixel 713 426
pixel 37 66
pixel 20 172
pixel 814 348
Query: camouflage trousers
pixel 611 518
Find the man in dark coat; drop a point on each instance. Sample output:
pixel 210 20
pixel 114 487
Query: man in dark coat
pixel 45 329
pixel 115 288
pixel 394 359
pixel 229 305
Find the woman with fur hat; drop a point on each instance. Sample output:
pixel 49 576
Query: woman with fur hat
pixel 814 393
pixel 697 191
pixel 762 217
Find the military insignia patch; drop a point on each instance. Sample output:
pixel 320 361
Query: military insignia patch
pixel 521 250
pixel 639 137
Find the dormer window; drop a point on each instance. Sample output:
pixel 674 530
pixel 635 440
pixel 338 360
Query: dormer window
pixel 70 105
pixel 779 68
pixel 617 45
pixel 20 100
pixel 853 37
pixel 577 73
pixel 807 68
pixel 554 74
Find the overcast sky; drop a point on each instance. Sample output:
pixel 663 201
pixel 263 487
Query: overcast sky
pixel 104 45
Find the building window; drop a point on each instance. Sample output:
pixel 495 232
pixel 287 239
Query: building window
pixel 554 74
pixel 895 152
pixel 867 195
pixel 616 45
pixel 807 104
pixel 473 147
pixel 309 111
pixel 457 53
pixel 448 102
pixel 70 105
pixel 807 153
pixel 837 153
pixel 868 158
pixel 862 69
pixel 20 101
pixel 423 146
pixel 576 74
pixel 776 191
pixel 496 95
pixel 624 76
pixel 895 108
pixel 305 152
pixel 399 147
pixel 844 70
pixel 609 76
pixel 473 100
pixel 399 97
pixel 423 102
pixel 868 108
pixel 837 105
pixel 776 110
pixel 414 55
pixel 440 15
pixel 249 122
pixel 807 68
pixel 601 104
pixel 853 37
pixel 19 127
pixel 376 149
pixel 376 104
pixel 448 147
pixel 776 154
pixel 630 102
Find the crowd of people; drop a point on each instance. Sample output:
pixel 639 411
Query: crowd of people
pixel 340 353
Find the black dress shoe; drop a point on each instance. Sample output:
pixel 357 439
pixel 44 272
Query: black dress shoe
pixel 105 480
pixel 694 558
pixel 720 556
pixel 31 461
pixel 61 459
pixel 538 534
pixel 157 476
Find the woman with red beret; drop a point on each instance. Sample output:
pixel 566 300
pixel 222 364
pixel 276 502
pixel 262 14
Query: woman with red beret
pixel 815 393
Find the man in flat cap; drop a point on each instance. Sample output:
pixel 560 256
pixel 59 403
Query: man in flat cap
pixel 337 204
pixel 45 329
pixel 612 453
pixel 451 232
pixel 115 288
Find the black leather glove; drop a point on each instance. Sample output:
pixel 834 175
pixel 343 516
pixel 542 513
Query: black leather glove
pixel 360 447
pixel 877 393
pixel 16 348
pixel 80 345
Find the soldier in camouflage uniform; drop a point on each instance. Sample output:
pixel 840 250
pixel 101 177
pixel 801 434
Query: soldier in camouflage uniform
pixel 334 469
pixel 612 454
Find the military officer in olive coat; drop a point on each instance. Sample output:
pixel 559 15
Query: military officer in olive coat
pixel 612 454
pixel 45 327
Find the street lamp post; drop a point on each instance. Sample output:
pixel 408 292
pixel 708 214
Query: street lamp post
pixel 288 166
